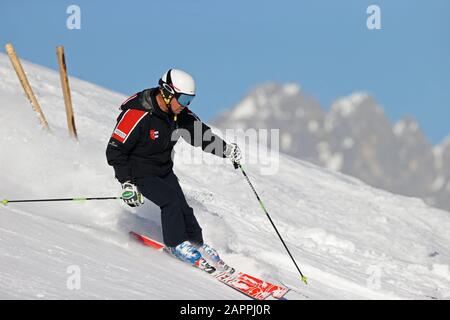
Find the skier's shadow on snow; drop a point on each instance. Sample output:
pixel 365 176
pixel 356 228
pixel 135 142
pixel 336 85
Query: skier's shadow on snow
pixel 145 220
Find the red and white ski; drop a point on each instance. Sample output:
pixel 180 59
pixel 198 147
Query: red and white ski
pixel 250 286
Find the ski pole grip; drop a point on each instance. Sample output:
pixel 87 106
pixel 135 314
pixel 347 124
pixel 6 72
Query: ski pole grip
pixel 235 165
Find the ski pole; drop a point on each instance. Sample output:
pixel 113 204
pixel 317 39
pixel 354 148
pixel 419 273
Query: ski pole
pixel 238 165
pixel 6 201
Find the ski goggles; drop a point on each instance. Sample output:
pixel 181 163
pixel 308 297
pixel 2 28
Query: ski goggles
pixel 184 99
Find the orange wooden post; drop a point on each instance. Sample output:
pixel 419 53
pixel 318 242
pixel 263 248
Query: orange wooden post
pixel 25 84
pixel 66 91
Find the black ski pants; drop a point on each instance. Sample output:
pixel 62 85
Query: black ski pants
pixel 177 217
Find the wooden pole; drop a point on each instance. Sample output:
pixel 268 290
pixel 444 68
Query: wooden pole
pixel 66 91
pixel 25 84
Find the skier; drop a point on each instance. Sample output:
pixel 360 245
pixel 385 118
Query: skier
pixel 140 150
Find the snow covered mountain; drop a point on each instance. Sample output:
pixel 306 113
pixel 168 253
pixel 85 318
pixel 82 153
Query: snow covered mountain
pixel 271 106
pixel 352 241
pixel 355 138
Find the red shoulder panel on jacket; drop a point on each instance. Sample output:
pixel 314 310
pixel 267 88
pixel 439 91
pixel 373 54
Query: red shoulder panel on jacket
pixel 126 125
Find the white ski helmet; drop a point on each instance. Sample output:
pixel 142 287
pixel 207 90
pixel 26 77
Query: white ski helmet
pixel 177 84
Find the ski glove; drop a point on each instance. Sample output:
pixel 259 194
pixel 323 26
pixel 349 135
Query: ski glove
pixel 233 152
pixel 131 195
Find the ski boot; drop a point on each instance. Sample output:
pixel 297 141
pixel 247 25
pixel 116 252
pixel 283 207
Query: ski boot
pixel 189 253
pixel 186 252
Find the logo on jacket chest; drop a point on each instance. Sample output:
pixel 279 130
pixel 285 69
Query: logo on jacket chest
pixel 154 134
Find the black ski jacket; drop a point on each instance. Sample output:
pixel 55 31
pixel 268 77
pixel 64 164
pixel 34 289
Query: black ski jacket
pixel 143 139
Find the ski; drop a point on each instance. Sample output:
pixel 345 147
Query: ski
pixel 246 284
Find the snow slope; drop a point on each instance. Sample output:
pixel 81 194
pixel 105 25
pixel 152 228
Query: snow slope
pixel 351 240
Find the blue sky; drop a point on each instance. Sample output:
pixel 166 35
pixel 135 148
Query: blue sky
pixel 232 46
